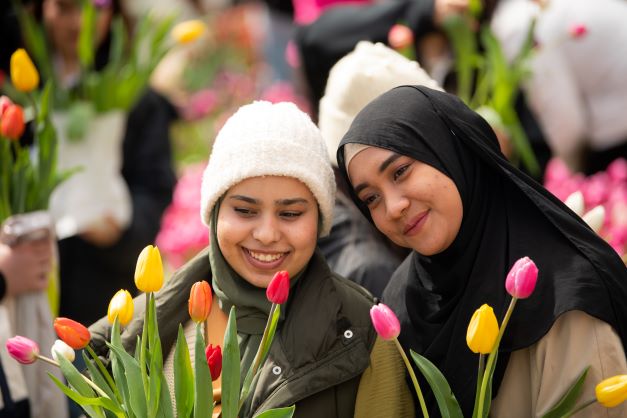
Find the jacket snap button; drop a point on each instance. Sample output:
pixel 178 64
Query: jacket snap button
pixel 276 370
pixel 348 334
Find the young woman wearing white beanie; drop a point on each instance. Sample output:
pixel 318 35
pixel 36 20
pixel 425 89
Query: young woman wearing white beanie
pixel 267 196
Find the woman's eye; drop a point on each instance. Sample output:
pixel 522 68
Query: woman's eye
pixel 290 214
pixel 244 211
pixel 369 200
pixel 400 171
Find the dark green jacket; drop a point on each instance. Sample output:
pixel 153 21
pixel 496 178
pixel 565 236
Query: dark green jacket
pixel 320 350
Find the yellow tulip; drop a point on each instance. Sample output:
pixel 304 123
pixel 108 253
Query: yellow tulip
pixel 612 392
pixel 24 75
pixel 482 330
pixel 122 306
pixel 188 31
pixel 149 270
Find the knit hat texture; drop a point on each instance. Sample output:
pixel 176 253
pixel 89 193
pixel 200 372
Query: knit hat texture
pixel 358 78
pixel 266 139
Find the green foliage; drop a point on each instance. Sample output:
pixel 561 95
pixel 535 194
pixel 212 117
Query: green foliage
pixel 566 405
pixel 449 408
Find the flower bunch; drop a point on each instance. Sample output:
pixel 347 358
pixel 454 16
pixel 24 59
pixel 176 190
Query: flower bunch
pixel 26 180
pixel 600 199
pixel 483 337
pixel 134 386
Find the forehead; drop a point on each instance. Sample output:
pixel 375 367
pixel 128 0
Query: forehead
pixel 369 161
pixel 271 187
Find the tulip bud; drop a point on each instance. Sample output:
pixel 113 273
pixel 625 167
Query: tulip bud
pixel 24 75
pixel 188 31
pixel 575 202
pixel 72 333
pixel 199 303
pixel 612 392
pixel 595 218
pixel 521 279
pixel 12 124
pixel 214 360
pixel 60 348
pixel 482 330
pixel 149 270
pixel 279 288
pixel 400 36
pixel 385 322
pixel 121 305
pixel 5 102
pixel 23 349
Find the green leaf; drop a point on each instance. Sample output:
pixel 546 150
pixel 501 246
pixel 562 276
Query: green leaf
pixel 78 383
pixel 203 406
pixel 183 377
pixel 99 380
pixel 87 401
pixel 230 369
pixel 86 44
pixel 565 406
pixel 449 407
pixel 488 374
pixel 117 367
pixel 165 401
pixel 137 398
pixel 104 372
pixel 278 413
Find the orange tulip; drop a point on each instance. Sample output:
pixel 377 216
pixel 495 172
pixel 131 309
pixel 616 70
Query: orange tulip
pixel 72 333
pixel 200 301
pixel 12 123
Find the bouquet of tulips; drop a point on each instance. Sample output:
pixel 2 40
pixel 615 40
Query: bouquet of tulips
pixel 483 337
pixel 135 384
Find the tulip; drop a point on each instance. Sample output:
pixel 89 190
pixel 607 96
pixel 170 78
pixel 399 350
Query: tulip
pixel 578 30
pixel 279 288
pixel 60 348
pixel 22 349
pixel 72 333
pixel 199 303
pixel 613 391
pixel 12 124
pixel 385 321
pixel 121 305
pixel 214 360
pixel 521 279
pixel 5 102
pixel 595 217
pixel 400 36
pixel 149 270
pixel 482 330
pixel 575 202
pixel 188 31
pixel 24 75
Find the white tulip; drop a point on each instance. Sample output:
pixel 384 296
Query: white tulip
pixel 61 348
pixel 575 202
pixel 595 217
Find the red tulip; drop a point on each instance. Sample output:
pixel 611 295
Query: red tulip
pixel 5 102
pixel 12 124
pixel 72 333
pixel 385 322
pixel 23 349
pixel 214 360
pixel 578 30
pixel 522 278
pixel 279 288
pixel 199 303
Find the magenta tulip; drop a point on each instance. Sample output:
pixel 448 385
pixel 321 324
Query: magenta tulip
pixel 279 288
pixel 522 278
pixel 22 349
pixel 385 321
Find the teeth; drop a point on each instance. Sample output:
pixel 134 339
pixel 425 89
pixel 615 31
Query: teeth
pixel 265 257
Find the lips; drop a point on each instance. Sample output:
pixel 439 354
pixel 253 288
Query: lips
pixel 415 224
pixel 264 259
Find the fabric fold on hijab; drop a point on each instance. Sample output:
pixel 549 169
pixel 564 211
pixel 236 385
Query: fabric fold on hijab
pixel 507 216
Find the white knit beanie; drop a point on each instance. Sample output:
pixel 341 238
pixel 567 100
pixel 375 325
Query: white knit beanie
pixel 265 139
pixel 358 78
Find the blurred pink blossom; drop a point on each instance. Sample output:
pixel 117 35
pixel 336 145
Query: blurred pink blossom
pixel 201 104
pixel 307 11
pixel 284 92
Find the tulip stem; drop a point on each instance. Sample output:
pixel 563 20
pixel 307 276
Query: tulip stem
pixel 85 378
pixel 414 380
pixel 583 406
pixel 492 356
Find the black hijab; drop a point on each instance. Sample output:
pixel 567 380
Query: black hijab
pixel 507 215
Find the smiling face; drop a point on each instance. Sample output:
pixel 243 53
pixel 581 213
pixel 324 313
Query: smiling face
pixel 267 224
pixel 412 203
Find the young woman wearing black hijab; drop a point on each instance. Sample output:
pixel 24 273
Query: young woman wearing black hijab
pixel 427 171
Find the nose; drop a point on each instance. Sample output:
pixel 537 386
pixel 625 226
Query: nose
pixel 267 230
pixel 396 205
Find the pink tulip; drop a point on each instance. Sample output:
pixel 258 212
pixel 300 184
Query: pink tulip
pixel 578 30
pixel 617 170
pixel 556 171
pixel 521 279
pixel 279 288
pixel 385 322
pixel 400 36
pixel 22 349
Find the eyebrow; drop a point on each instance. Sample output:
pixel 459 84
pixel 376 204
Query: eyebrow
pixel 279 202
pixel 385 164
